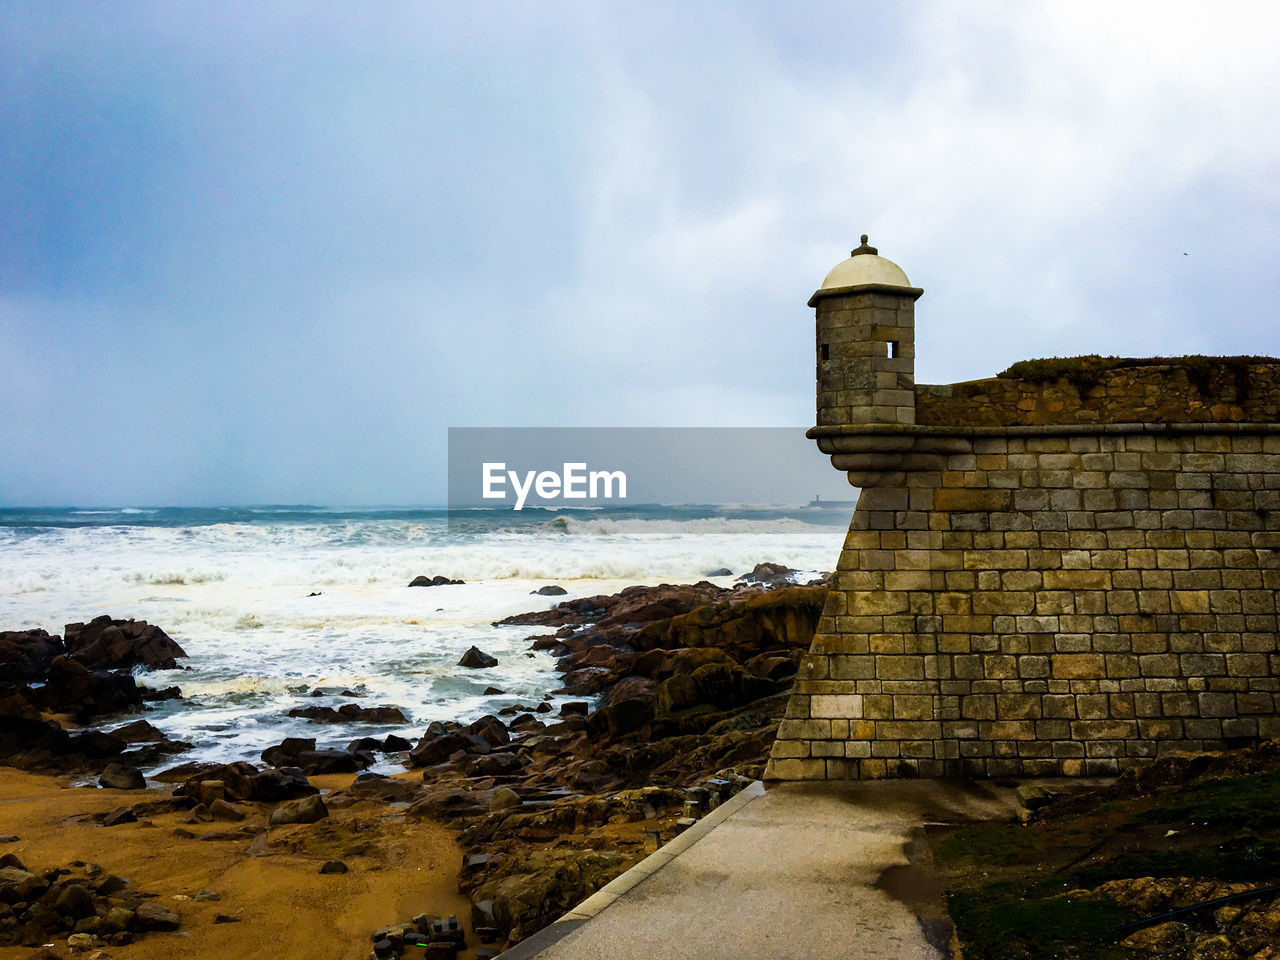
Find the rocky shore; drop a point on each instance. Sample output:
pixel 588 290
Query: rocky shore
pixel 681 687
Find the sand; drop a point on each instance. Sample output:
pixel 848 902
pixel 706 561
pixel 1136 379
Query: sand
pixel 399 867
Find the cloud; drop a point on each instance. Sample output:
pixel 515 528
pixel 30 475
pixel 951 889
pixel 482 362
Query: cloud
pixel 271 253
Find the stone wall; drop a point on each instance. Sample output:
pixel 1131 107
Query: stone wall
pixel 1040 600
pixel 1110 390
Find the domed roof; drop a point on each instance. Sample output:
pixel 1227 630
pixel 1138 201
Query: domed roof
pixel 864 268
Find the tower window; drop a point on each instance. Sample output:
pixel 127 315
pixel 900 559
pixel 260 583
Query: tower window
pixel 826 351
pixel 893 349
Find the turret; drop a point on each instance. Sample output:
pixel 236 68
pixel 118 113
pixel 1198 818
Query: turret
pixel 866 342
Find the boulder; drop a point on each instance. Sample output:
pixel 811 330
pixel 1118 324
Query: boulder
pixel 122 776
pixel 286 752
pixel 149 915
pixel 304 810
pixel 351 713
pixel 436 581
pixel 620 718
pixel 395 744
pixel 491 728
pixel 476 659
pixel 26 654
pixel 109 644
pixel 431 750
pixel 75 901
pixel 551 590
pixel 504 799
pixel 73 688
pixel 333 866
pixel 767 573
pixel 320 762
pixel 720 572
pixel 221 810
pixel 140 731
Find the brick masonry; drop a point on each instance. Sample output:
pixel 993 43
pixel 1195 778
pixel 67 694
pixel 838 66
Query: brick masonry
pixel 1021 600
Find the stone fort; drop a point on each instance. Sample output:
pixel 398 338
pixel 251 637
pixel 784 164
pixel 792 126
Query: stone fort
pixel 1067 569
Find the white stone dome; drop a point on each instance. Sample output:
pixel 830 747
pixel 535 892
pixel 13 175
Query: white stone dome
pixel 864 266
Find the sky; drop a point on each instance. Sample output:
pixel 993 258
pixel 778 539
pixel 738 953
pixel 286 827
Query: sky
pixel 270 252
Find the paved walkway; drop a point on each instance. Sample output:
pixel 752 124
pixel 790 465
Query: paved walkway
pixel 803 870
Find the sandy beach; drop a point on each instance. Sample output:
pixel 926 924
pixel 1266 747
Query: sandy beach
pixel 398 868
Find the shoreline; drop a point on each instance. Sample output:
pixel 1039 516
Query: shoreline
pixel 523 815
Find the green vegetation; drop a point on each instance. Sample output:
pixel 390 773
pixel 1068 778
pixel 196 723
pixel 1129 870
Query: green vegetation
pixel 1085 373
pixel 996 922
pixel 1030 891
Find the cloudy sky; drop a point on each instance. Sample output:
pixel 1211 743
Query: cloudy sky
pixel 270 252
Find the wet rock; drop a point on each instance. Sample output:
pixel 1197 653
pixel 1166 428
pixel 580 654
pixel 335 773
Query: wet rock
pixel 389 789
pixel 351 713
pixel 621 718
pixel 333 866
pixel 492 729
pixel 395 744
pixel 26 654
pixel 303 810
pixel 551 590
pixel 436 581
pixel 140 731
pixel 767 573
pixel 431 750
pixel 573 708
pixel 321 762
pixel 109 644
pixel 476 659
pixel 720 572
pixel 166 693
pixel 122 776
pixel 285 753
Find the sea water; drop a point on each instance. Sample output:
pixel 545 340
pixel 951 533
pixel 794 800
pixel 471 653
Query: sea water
pixel 272 603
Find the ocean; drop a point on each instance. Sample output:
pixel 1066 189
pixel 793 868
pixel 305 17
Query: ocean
pixel 234 586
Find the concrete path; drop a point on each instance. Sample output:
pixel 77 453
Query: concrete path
pixel 803 870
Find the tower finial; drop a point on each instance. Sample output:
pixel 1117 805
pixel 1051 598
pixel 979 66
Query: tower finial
pixel 865 248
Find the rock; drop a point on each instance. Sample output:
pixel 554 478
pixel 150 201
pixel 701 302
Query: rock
pixel 504 799
pixel 109 644
pixel 320 762
pixel 493 692
pixel 221 810
pixel 720 572
pixel 389 789
pixel 26 654
pixel 152 916
pixel 71 687
pixel 551 590
pixel 118 919
pixel 205 895
pixel 476 659
pixel 118 816
pixel 574 708
pixel 620 718
pixel 80 942
pixel 333 866
pixel 122 776
pixel 75 901
pixel 140 731
pixel 543 707
pixel 436 581
pixel 431 750
pixel 285 753
pixel 494 765
pixel 304 810
pixel 225 918
pixel 9 838
pixel 492 729
pixel 395 744
pixel 351 713
pixel 166 693
pixel 767 573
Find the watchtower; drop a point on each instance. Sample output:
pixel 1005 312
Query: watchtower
pixel 866 341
